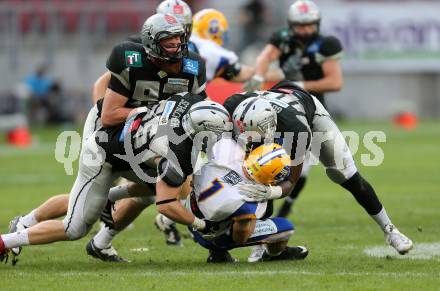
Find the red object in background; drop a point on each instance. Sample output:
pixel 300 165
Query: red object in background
pixel 19 137
pixel 406 120
pixel 219 90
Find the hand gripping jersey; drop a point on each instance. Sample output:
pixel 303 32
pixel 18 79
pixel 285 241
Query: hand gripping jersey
pixel 134 76
pixel 303 62
pixel 215 192
pixel 155 132
pixel 295 111
pixel 220 62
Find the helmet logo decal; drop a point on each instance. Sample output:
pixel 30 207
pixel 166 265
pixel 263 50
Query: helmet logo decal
pixel 214 26
pixel 170 19
pixel 303 8
pixel 178 9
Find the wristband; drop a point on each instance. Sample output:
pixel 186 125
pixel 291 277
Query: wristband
pixel 258 78
pixel 275 192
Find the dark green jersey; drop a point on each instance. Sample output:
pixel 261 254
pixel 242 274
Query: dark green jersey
pixel 134 76
pixel 300 61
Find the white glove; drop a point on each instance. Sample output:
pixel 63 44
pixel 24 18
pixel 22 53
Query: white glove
pixel 259 192
pixel 254 83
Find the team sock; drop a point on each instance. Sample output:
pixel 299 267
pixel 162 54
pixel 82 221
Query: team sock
pixel 29 219
pixel 103 239
pixel 16 239
pixel 118 192
pixel 168 222
pixel 382 218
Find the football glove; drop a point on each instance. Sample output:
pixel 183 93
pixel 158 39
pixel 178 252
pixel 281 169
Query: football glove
pixel 259 192
pixel 254 83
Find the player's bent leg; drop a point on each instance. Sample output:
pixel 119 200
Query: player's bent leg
pixel 126 211
pixel 341 169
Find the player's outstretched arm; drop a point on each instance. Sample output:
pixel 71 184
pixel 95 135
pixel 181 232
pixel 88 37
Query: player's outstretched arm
pixel 332 80
pixel 269 54
pixel 246 72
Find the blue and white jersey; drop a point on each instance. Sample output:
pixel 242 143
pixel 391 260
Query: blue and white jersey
pixel 217 58
pixel 216 186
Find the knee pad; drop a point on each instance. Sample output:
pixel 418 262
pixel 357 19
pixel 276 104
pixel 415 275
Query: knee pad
pixel 75 231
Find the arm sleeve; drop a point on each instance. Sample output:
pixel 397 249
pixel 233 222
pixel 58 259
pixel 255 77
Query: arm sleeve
pixel 120 80
pixel 331 48
pixel 277 38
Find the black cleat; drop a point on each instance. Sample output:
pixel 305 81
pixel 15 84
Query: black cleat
pixel 172 235
pixel 220 257
pixel 107 255
pixel 290 253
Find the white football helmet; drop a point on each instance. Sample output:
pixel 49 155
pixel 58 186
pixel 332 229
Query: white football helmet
pixel 303 12
pixel 158 27
pixel 178 9
pixel 206 116
pixel 255 114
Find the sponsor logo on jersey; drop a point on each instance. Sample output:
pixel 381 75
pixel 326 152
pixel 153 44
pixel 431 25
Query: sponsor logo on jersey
pixel 232 178
pixel 190 66
pixel 133 59
pixel 169 106
pixel 179 82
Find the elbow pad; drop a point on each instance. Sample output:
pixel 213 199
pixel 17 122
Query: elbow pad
pixel 170 174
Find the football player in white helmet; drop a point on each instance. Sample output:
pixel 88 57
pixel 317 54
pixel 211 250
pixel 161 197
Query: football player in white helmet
pixel 170 138
pixel 300 117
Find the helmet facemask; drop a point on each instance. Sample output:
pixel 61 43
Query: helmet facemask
pixel 163 54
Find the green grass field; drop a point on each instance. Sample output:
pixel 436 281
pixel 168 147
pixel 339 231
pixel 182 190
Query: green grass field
pixel 328 220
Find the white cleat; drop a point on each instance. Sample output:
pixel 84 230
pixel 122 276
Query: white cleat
pixel 397 240
pixel 257 253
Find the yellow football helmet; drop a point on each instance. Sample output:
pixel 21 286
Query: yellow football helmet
pixel 268 164
pixel 211 24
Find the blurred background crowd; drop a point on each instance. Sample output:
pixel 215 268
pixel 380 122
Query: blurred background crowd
pixel 51 52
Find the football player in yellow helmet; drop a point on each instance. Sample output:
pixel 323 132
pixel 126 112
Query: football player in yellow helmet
pixel 210 34
pixel 268 164
pixel 211 24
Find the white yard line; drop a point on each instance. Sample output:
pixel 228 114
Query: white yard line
pixel 421 251
pixel 247 273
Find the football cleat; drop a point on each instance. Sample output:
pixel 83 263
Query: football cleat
pixel 290 253
pixel 220 257
pixel 256 254
pixel 14 226
pixel 107 255
pixel 4 253
pixel 397 240
pixel 172 235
